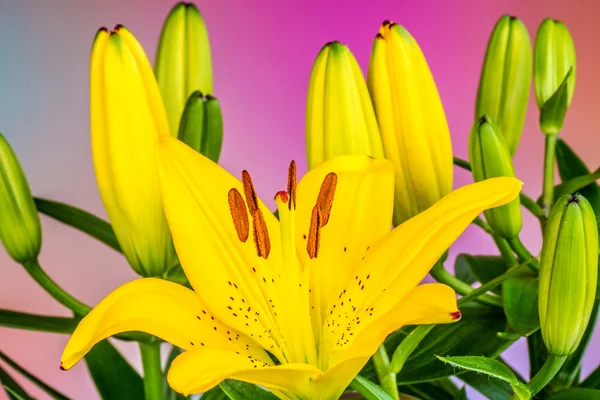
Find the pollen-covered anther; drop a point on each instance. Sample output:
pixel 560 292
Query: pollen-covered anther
pixel 249 192
pixel 314 233
pixel 239 214
pixel 291 186
pixel 325 198
pixel 261 234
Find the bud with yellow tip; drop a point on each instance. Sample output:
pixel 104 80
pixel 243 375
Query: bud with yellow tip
pixel 127 117
pixel 339 113
pixel 20 229
pixel 412 122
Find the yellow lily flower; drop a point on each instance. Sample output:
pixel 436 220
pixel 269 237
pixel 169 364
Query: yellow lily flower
pixel 127 116
pixel 320 289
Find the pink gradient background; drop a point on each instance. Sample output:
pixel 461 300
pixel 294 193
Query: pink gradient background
pixel 262 52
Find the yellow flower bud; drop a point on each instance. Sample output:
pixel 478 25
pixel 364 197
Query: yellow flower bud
pixel 505 80
pixel 20 229
pixel 339 113
pixel 183 61
pixel 490 158
pixel 568 273
pixel 412 121
pixel 127 117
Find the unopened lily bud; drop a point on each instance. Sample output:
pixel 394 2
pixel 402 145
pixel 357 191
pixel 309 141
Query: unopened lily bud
pixel 506 78
pixel 490 158
pixel 412 121
pixel 20 229
pixel 554 72
pixel 183 61
pixel 339 113
pixel 568 273
pixel 201 125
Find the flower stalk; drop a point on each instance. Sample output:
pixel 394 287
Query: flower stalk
pixel 153 379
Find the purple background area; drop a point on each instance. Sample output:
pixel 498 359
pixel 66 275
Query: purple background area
pixel 262 52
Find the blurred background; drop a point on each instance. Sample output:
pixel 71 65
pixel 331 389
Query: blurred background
pixel 262 55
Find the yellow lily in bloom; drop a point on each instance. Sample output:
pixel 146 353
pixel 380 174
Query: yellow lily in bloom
pixel 320 289
pixel 127 116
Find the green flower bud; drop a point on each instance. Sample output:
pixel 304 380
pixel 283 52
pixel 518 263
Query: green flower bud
pixel 568 273
pixel 339 114
pixel 554 66
pixel 20 229
pixel 183 62
pixel 201 125
pixel 505 79
pixel 490 158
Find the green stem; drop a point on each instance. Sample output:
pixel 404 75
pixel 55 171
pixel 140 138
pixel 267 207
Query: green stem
pixel 489 285
pixel 407 346
pixel 545 375
pixel 523 254
pixel 526 201
pixel 502 245
pixel 59 294
pixel 387 379
pixel 153 379
pixel 439 273
pixel 548 186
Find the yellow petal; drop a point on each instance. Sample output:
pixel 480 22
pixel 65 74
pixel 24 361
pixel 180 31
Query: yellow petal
pixel 161 308
pixel 238 287
pixel 202 369
pixel 432 303
pixel 360 215
pixel 397 264
pixel 336 379
pixel 127 116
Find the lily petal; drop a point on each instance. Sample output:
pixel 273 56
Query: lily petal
pixel 396 265
pixel 431 303
pixel 161 308
pixel 237 286
pixel 202 369
pixel 360 215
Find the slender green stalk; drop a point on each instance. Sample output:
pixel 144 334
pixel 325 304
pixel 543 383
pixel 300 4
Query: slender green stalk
pixel 36 322
pixel 439 273
pixel 407 346
pixel 524 254
pixel 489 285
pixel 387 379
pixel 548 186
pixel 526 201
pixel 545 375
pixel 153 379
pixel 505 251
pixel 59 294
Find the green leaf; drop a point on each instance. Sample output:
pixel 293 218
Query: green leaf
pixel 215 393
pixel 576 394
pixel 237 390
pixel 35 322
pixel 494 389
pixel 486 268
pixel 462 395
pixel 15 392
pixel 79 219
pixel 571 166
pixel 170 394
pixel 368 389
pixel 492 368
pixel 552 114
pixel 482 323
pixel 521 302
pixel 53 393
pixel 112 374
pixel 575 184
pixel 14 395
pixel 429 390
pixel 462 270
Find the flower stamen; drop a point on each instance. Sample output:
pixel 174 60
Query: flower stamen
pixel 291 186
pixel 250 193
pixel 325 198
pixel 239 214
pixel 314 233
pixel 261 234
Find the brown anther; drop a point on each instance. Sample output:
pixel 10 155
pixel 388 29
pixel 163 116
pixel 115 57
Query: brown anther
pixel 239 214
pixel 249 192
pixel 283 195
pixel 314 233
pixel 291 186
pixel 261 234
pixel 326 194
